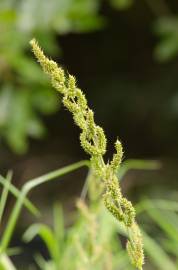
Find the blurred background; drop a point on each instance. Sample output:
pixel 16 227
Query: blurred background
pixel 124 54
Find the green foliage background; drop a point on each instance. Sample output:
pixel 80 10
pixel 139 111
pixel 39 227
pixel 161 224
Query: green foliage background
pixel 25 93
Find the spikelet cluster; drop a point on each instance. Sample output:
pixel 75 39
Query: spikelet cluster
pixel 134 246
pixel 93 141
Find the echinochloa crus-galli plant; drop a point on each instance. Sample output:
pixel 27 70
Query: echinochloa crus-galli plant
pixel 93 141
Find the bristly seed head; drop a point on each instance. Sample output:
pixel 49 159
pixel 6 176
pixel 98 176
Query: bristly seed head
pixel 94 142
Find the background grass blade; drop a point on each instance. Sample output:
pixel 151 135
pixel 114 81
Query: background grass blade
pixel 157 255
pixel 5 194
pixel 29 205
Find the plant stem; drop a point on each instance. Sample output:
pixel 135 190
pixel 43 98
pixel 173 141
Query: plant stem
pixel 25 189
pixel 5 194
pixel 5 263
pixel 29 205
pixel 137 164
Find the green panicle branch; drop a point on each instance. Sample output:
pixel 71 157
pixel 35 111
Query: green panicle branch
pixel 93 141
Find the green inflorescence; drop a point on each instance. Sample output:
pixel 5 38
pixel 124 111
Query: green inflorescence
pixel 93 141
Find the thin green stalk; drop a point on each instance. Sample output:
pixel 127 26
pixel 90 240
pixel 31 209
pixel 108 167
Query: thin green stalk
pixel 29 205
pixel 50 176
pixel 137 164
pixel 85 186
pixel 25 190
pixel 5 263
pixel 5 194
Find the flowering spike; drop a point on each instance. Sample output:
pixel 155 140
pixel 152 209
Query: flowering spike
pixel 93 141
pixel 117 158
pixel 135 247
